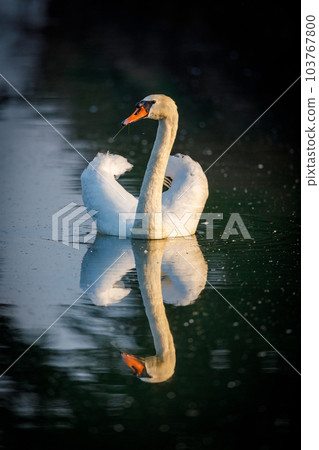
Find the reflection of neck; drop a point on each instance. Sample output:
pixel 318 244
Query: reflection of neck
pixel 148 266
pixel 150 199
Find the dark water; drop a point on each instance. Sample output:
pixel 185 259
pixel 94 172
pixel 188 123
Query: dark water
pixel 230 387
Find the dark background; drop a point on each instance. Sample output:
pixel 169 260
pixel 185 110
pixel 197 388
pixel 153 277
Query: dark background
pixel 256 44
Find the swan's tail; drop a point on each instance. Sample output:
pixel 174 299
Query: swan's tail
pixel 109 164
pixel 102 193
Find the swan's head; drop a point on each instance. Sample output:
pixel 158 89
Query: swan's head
pixel 153 369
pixel 155 106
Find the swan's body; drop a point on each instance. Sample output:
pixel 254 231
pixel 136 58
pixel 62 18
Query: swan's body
pixel 175 212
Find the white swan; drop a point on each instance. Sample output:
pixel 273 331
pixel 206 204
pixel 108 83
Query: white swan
pixel 172 213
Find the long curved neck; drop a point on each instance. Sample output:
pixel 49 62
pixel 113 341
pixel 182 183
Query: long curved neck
pixel 150 200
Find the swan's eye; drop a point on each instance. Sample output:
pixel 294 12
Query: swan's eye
pixel 146 104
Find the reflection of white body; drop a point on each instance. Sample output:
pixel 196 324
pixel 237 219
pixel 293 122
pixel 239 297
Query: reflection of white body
pixel 174 269
pixel 183 271
pixel 110 253
pixel 166 211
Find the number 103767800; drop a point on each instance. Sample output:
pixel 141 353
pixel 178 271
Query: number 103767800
pixel 310 48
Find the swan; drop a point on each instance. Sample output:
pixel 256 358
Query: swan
pixel 155 214
pixel 170 271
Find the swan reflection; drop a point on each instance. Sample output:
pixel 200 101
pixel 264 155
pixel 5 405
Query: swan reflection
pixel 171 271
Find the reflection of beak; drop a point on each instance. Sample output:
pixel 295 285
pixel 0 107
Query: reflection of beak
pixel 136 364
pixel 138 114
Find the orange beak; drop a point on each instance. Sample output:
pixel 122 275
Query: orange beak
pixel 138 114
pixel 134 363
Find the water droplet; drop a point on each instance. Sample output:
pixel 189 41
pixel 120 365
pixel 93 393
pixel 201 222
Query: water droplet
pixel 192 413
pixel 171 395
pixel 118 428
pixel 93 109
